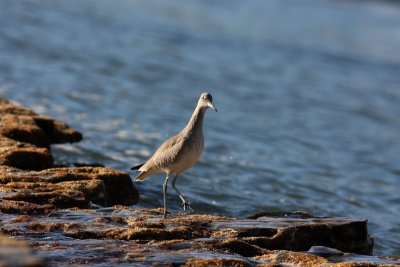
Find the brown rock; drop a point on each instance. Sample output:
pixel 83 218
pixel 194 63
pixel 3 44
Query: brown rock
pixel 299 234
pixel 6 107
pixel 24 129
pixel 57 131
pixel 364 264
pixel 24 155
pixel 238 246
pixel 40 131
pixel 25 137
pixel 143 237
pixel 118 186
pixel 63 188
pixel 24 125
pixel 241 236
pixel 216 262
pixel 22 207
pixel 293 258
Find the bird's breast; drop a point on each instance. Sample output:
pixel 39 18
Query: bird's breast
pixel 189 154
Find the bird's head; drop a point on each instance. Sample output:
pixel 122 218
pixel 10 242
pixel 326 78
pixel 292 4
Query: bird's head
pixel 205 101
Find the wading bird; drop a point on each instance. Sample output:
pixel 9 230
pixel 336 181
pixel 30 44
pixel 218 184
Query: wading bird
pixel 180 152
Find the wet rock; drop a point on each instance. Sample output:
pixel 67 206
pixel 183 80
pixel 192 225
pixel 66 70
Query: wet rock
pixel 84 164
pixel 57 131
pixel 216 262
pixel 7 107
pixel 36 192
pixel 299 259
pixel 293 258
pixel 37 130
pixel 240 236
pixel 24 129
pixel 24 155
pixel 299 234
pixel 25 137
pixel 240 247
pixel 142 237
pixel 23 207
pixel 15 253
pixel 324 251
pixel 280 214
pixel 24 125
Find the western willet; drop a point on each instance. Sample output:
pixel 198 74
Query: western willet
pixel 180 152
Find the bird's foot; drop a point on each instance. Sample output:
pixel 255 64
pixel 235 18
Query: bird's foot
pixel 186 204
pixel 166 212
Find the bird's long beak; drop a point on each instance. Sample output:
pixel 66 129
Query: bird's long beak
pixel 212 106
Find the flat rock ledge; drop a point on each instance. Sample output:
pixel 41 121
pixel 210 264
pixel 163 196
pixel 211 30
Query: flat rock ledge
pixel 50 217
pixel 40 192
pixel 129 236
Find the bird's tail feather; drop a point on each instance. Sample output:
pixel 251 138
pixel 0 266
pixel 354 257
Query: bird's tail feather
pixel 143 174
pixel 137 167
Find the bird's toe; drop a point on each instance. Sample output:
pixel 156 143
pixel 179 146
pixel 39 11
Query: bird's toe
pixel 185 205
pixel 165 213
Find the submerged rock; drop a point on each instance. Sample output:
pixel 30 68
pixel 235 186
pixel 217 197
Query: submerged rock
pixel 123 235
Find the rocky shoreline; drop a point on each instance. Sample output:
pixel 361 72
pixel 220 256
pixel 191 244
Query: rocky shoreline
pixel 50 216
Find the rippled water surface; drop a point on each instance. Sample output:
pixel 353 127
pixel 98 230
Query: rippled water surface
pixel 307 91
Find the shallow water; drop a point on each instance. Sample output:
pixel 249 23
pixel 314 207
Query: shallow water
pixel 307 92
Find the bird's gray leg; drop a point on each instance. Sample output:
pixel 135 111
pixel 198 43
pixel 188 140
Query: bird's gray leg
pixel 185 203
pixel 165 194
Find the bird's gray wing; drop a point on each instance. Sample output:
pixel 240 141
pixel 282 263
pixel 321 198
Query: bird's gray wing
pixel 166 154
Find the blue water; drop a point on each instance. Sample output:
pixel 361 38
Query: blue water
pixel 307 91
